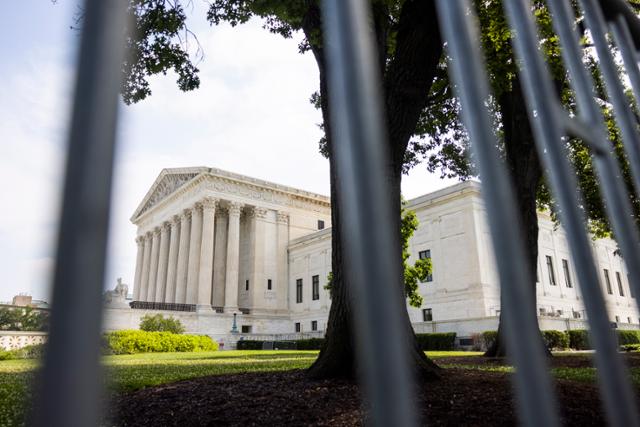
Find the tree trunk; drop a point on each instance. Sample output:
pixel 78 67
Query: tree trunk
pixel 337 355
pixel 526 174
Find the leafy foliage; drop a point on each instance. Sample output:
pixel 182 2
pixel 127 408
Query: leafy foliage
pixel 555 340
pixel 579 339
pixel 437 341
pixel 132 341
pixel 35 351
pixel 628 337
pixel 23 319
pixel 421 268
pixel 158 323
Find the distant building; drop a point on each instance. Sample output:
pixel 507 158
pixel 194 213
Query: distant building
pixel 212 243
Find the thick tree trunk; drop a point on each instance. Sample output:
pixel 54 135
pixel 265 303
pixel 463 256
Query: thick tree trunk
pixel 404 102
pixel 526 173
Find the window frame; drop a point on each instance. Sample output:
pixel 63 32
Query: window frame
pixel 607 282
pixel 427 314
pixel 314 325
pixel 619 281
pixel 315 287
pixel 550 271
pixel 567 274
pixel 427 255
pixel 299 289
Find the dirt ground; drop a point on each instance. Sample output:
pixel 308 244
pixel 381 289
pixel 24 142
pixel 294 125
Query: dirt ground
pixel 461 397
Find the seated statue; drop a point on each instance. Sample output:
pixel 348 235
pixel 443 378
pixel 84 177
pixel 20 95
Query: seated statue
pixel 117 298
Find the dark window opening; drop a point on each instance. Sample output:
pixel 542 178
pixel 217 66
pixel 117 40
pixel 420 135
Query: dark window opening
pixel 427 315
pixel 320 224
pixel 567 275
pixel 552 275
pixel 315 288
pixel 314 325
pixel 246 285
pixel 427 255
pixel 246 329
pixel 608 282
pixel 269 285
pixel 298 329
pixel 299 291
pixel 619 280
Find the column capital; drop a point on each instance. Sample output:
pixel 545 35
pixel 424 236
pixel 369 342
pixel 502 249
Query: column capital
pixel 209 203
pixel 221 211
pixel 258 212
pixel 185 214
pixel 175 220
pixel 234 208
pixel 282 217
pixel 166 226
pixel 156 231
pixel 140 240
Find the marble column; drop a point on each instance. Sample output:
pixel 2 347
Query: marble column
pixel 139 258
pixel 282 262
pixel 163 258
pixel 153 265
pixel 205 278
pixel 172 268
pixel 257 239
pixel 144 275
pixel 233 259
pixel 183 258
pixel 219 258
pixel 194 255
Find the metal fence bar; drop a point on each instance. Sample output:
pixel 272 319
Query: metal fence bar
pixel 70 390
pixel 533 385
pixel 616 389
pixel 615 194
pixel 622 37
pixel 371 248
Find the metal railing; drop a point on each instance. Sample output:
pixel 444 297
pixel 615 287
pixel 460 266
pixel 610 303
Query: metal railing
pixel 70 389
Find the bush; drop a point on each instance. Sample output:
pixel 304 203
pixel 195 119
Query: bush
pixel 630 347
pixel 35 351
pixel 555 339
pixel 249 345
pixel 489 338
pixel 437 341
pixel 23 319
pixel 158 323
pixel 309 344
pixel 132 341
pixel 579 339
pixel 628 337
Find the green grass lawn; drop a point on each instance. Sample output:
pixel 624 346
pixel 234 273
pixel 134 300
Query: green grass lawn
pixel 131 372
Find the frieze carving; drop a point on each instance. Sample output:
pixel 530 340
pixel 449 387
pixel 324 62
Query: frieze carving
pixel 282 217
pixel 168 185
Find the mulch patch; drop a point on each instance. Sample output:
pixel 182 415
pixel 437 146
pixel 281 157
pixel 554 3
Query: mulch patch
pixel 461 397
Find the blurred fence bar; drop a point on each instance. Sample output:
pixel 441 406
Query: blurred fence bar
pixel 69 393
pixel 368 222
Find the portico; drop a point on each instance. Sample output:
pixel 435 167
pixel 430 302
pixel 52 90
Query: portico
pixel 216 241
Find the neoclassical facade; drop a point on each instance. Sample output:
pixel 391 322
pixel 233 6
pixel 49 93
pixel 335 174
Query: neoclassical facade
pixel 213 243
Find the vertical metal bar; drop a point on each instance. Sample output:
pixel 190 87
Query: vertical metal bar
pixel 70 390
pixel 616 389
pixel 533 386
pixel 624 118
pixel 615 195
pixel 371 247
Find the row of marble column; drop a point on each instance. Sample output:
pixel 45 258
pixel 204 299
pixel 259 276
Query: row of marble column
pixel 175 261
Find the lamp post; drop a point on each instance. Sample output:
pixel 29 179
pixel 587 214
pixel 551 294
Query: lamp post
pixel 234 328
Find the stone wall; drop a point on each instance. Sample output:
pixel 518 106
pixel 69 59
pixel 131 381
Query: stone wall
pixel 13 340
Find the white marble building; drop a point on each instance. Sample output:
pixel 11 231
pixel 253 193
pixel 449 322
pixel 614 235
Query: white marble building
pixel 212 243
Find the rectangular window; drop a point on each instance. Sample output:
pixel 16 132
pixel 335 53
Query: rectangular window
pixel 314 325
pixel 298 329
pixel 608 282
pixel 619 280
pixel 617 319
pixel 246 329
pixel 427 316
pixel 269 284
pixel 246 285
pixel 628 319
pixel 299 291
pixel 552 275
pixel 631 293
pixel 315 287
pixel 427 255
pixel 567 275
pixel 320 224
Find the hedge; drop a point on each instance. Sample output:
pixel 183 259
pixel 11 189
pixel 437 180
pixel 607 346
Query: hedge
pixel 488 338
pixel 133 341
pixel 628 337
pixel 437 341
pixel 630 347
pixel 306 344
pixel 555 339
pixel 579 339
pixel 159 323
pixel 34 351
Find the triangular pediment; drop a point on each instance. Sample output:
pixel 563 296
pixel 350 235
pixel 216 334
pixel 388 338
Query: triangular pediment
pixel 166 184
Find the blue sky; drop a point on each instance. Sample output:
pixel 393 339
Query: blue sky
pixel 251 116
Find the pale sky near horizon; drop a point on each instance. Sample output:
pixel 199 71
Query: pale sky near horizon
pixel 251 115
